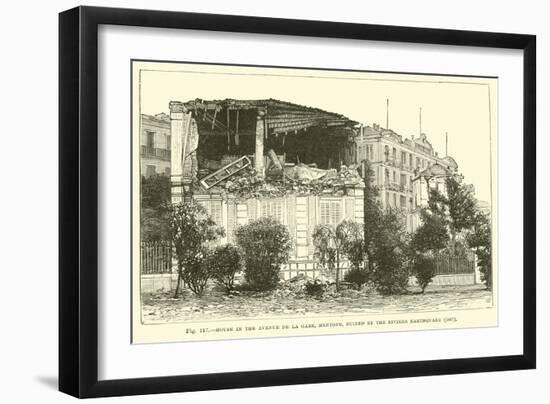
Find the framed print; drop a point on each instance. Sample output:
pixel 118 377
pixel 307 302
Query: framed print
pixel 250 201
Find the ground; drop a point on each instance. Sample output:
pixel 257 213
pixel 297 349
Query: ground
pixel 162 307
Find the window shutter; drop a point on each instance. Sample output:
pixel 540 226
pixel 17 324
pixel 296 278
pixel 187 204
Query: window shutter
pixel 292 221
pixel 350 208
pixel 252 205
pixel 231 218
pixel 312 221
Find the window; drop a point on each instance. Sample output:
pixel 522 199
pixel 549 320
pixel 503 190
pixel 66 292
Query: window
pixel 394 154
pixel 403 202
pixel 387 152
pixel 150 171
pixel 272 208
pixel 410 160
pixel 150 140
pixel 418 162
pixel 168 142
pixel 404 158
pixel 331 212
pixel 213 209
pixel 403 181
pixel 394 200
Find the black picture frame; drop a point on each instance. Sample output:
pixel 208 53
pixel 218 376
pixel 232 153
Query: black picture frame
pixel 78 201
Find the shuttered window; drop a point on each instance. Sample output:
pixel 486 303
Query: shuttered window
pixel 331 212
pixel 214 210
pixel 272 208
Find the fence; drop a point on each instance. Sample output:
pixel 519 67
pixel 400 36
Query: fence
pixel 450 265
pixel 156 258
pixel 312 269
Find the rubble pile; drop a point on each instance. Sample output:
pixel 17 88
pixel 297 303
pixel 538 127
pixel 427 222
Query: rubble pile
pixel 300 179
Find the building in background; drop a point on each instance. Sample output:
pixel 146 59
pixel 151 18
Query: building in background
pixel 155 145
pixel 403 169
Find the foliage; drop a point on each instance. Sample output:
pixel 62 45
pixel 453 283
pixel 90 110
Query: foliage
pixel 432 235
pixel 191 230
pixel 332 244
pixel 155 202
pixel 390 253
pixel 372 215
pixel 155 191
pixel 357 276
pixel 266 245
pixel 386 242
pixel 315 288
pixel 223 263
pixel 323 238
pixel 461 206
pixel 457 209
pixel 154 225
pixel 353 245
pixel 480 240
pixel 424 270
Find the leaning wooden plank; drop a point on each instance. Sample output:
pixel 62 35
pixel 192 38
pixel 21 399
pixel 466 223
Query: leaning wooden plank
pixel 225 172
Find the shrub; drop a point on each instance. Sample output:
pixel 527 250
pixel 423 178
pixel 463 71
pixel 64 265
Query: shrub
pixel 389 254
pixel 480 240
pixel 266 245
pixel 424 270
pixel 315 288
pixel 223 262
pixel 190 231
pixel 197 273
pixel 391 276
pixel 357 276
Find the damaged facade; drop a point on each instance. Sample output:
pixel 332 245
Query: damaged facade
pixel 244 159
pixel 403 169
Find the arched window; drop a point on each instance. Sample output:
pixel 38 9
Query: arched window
pixel 387 152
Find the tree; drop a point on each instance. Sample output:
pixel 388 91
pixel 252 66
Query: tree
pixel 424 270
pixel 390 252
pixel 430 237
pixel 191 229
pixel 373 214
pixel 265 244
pixel 353 245
pixel 386 242
pixel 224 262
pixel 459 205
pixel 480 240
pixel 155 205
pixel 332 244
pixel 155 191
pixel 323 238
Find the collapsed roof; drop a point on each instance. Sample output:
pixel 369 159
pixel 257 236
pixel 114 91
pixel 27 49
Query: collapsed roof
pixel 268 137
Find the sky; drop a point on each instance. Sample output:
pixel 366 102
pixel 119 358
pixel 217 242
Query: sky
pixel 459 106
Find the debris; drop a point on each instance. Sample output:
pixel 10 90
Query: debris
pixel 225 172
pixel 274 159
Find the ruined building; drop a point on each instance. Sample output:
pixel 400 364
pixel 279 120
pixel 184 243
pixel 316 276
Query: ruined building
pixel 244 159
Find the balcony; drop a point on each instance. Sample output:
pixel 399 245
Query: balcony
pixel 396 186
pixel 155 153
